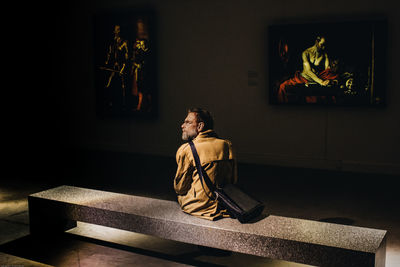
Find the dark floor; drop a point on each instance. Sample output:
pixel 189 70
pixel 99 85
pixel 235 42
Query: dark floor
pixel 367 200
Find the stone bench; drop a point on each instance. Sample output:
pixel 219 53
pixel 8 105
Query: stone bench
pixel 275 237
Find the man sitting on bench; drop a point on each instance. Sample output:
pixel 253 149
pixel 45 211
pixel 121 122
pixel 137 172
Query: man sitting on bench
pixel 217 159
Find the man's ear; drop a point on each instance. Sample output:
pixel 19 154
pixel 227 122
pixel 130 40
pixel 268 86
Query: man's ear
pixel 200 126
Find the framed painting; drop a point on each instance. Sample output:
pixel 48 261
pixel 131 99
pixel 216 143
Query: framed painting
pixel 331 63
pixel 125 63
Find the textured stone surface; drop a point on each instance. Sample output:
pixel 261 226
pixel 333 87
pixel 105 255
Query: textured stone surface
pixel 304 241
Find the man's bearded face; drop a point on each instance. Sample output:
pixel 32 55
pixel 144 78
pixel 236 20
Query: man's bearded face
pixel 190 127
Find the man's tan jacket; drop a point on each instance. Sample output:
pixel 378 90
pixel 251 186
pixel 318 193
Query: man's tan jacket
pixel 218 160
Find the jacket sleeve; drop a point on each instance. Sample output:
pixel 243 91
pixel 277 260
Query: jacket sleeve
pixel 184 173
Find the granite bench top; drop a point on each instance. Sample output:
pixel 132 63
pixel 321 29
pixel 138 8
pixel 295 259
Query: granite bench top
pixel 276 227
pixel 276 237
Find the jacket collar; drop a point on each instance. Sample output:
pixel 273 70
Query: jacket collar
pixel 206 133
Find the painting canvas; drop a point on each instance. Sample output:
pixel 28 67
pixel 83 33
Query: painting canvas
pixel 125 63
pixel 331 63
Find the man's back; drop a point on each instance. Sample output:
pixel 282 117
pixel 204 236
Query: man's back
pixel 217 159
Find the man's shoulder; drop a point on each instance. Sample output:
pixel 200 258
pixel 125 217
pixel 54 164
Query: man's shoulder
pixel 221 140
pixel 182 154
pixel 214 149
pixel 214 142
pixel 183 148
pixel 224 142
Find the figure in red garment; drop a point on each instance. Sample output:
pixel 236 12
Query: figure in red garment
pixel 316 70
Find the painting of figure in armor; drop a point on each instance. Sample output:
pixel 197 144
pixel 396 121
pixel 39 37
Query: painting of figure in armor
pixel 125 64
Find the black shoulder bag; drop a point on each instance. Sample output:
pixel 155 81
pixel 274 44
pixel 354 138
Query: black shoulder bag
pixel 239 204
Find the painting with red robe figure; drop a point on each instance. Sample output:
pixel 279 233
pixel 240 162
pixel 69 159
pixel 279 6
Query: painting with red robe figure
pixel 330 63
pixel 125 63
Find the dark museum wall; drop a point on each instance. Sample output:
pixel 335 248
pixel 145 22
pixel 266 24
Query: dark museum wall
pixel 206 51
